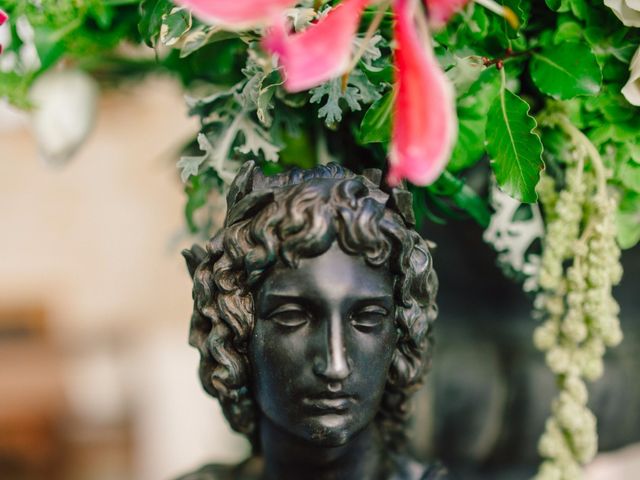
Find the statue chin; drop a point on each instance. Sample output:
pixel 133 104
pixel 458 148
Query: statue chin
pixel 327 433
pixel 312 312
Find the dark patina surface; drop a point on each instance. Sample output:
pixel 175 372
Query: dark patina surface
pixel 313 309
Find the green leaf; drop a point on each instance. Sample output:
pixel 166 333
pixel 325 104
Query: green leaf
pixel 601 134
pixel 175 24
pixel 376 124
pixel 568 31
pixel 515 6
pixel 299 150
pixel 378 75
pixel 634 152
pixel 625 132
pixel 514 148
pixel 462 195
pixel 629 175
pixel 258 92
pixel 151 12
pixel 468 200
pixel 472 120
pixel 198 191
pixel 566 71
pixel 201 36
pixel 264 101
pixel 103 14
pixel 615 108
pixel 470 143
pixel 15 88
pixel 49 44
pixel 559 5
pixel 579 8
pixel 478 23
pixel 628 220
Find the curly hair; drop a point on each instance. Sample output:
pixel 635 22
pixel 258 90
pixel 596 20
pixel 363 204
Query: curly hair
pixel 295 215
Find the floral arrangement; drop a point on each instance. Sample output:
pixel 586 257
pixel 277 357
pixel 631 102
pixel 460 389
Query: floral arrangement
pixel 522 115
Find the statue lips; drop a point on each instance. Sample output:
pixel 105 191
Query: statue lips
pixel 329 402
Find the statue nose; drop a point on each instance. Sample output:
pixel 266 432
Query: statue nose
pixel 331 362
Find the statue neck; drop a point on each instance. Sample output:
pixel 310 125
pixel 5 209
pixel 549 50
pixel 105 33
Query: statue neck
pixel 288 458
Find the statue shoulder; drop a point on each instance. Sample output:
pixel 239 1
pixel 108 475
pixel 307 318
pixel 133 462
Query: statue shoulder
pixel 435 472
pixel 247 470
pixel 408 468
pixel 210 472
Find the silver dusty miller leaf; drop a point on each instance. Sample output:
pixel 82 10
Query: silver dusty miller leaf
pixel 190 165
pixel 255 140
pixel 512 238
pixel 233 122
pixel 372 51
pixel 360 91
pixel 300 17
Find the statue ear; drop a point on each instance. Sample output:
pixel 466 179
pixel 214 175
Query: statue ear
pixel 194 257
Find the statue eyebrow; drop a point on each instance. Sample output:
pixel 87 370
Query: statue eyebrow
pixel 310 297
pixel 376 298
pixel 285 296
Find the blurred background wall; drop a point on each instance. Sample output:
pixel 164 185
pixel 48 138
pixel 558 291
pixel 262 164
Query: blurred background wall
pixel 96 378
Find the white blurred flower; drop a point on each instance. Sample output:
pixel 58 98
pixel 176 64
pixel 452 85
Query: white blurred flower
pixel 628 11
pixel 631 90
pixel 65 110
pixel 7 59
pixel 28 53
pixel 26 58
pixel 4 31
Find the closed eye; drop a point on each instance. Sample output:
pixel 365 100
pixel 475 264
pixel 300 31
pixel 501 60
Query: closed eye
pixel 289 315
pixel 368 318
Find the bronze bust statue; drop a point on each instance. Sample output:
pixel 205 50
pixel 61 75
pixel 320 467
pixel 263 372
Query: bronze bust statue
pixel 313 308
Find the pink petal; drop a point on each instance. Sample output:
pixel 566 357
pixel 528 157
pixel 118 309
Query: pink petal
pixel 236 13
pixel 424 121
pixel 440 11
pixel 319 53
pixel 3 18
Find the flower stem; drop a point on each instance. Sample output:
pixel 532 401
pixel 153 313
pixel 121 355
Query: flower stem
pixel 501 10
pixel 421 21
pixel 499 62
pixel 373 27
pixel 581 139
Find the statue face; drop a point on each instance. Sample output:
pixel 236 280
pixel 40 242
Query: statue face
pixel 322 344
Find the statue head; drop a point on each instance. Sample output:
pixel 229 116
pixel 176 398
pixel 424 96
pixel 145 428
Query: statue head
pixel 313 304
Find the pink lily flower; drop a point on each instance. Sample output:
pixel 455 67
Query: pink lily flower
pixel 3 18
pixel 239 14
pixel 440 11
pixel 424 116
pixel 424 120
pixel 322 51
